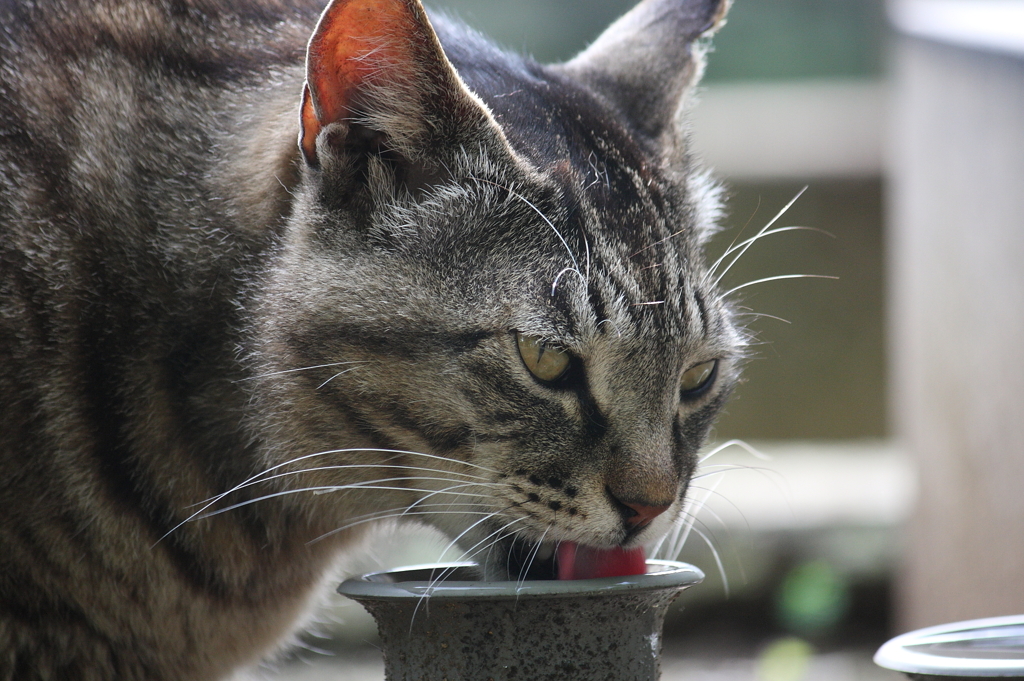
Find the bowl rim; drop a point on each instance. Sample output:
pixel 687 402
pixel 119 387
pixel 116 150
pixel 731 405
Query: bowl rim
pixel 897 655
pixel 668 575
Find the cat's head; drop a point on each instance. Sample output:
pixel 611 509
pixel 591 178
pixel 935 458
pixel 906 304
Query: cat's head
pixel 492 292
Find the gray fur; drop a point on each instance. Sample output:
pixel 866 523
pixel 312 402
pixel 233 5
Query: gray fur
pixel 194 319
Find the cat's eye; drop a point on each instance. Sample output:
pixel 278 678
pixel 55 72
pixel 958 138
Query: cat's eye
pixel 696 379
pixel 544 361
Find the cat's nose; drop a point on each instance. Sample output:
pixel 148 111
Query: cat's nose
pixel 644 514
pixel 637 515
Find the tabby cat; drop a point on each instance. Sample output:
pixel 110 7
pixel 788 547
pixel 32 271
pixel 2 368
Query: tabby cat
pixel 269 274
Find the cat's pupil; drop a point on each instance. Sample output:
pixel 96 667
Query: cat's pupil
pixel 544 361
pixel 697 378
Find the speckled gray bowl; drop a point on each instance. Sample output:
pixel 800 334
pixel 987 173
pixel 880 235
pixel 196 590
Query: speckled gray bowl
pixel 439 623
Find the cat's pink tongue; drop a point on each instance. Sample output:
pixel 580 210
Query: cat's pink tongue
pixel 585 562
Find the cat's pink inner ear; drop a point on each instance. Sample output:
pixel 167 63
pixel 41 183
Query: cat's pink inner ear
pixel 357 44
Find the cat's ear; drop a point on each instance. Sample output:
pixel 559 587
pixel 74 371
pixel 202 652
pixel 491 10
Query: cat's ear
pixel 377 81
pixel 648 60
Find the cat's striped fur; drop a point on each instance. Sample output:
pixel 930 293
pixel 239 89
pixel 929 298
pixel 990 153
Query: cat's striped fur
pixel 223 351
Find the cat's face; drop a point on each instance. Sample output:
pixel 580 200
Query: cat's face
pixel 513 325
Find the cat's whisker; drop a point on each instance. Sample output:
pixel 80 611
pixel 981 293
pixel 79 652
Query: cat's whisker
pixel 472 479
pixel 528 563
pixel 468 478
pixel 760 235
pixel 711 472
pixel 686 523
pixel 707 471
pixel 655 549
pixel 286 188
pixel 487 543
pixel 717 557
pixel 349 450
pixel 455 540
pixel 467 554
pixel 375 484
pixel 690 513
pixel 599 174
pixel 714 268
pixel 681 531
pixel 491 540
pixel 776 278
pixel 759 315
pixel 679 535
pixel 691 510
pixel 420 503
pixel 340 373
pixel 691 523
pixel 323 489
pixel 554 284
pixel 575 264
pixel 739 233
pixel 380 517
pixel 436 576
pixel 448 459
pixel 718 470
pixel 357 450
pixel 432 494
pixel 661 241
pixel 753 451
pixel 292 371
pixel 371 450
pixel 483 482
pixel 714 514
pixel 397 513
pixel 618 332
pixel 586 246
pixel 673 532
pixel 667 546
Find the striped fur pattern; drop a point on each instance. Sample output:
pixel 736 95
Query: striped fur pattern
pixel 223 353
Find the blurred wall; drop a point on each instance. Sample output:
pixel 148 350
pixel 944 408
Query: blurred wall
pixel 956 211
pixel 818 369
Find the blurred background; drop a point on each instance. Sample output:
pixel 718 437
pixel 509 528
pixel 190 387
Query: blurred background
pixel 885 404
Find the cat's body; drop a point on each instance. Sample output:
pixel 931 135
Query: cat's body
pixel 189 299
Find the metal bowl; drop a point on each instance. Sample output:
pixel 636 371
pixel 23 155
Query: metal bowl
pixel 976 649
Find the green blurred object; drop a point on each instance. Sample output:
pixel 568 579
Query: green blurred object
pixel 813 599
pixel 791 39
pixel 784 660
pixel 548 30
pixel 763 39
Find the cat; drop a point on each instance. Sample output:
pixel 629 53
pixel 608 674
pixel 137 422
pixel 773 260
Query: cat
pixel 271 272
